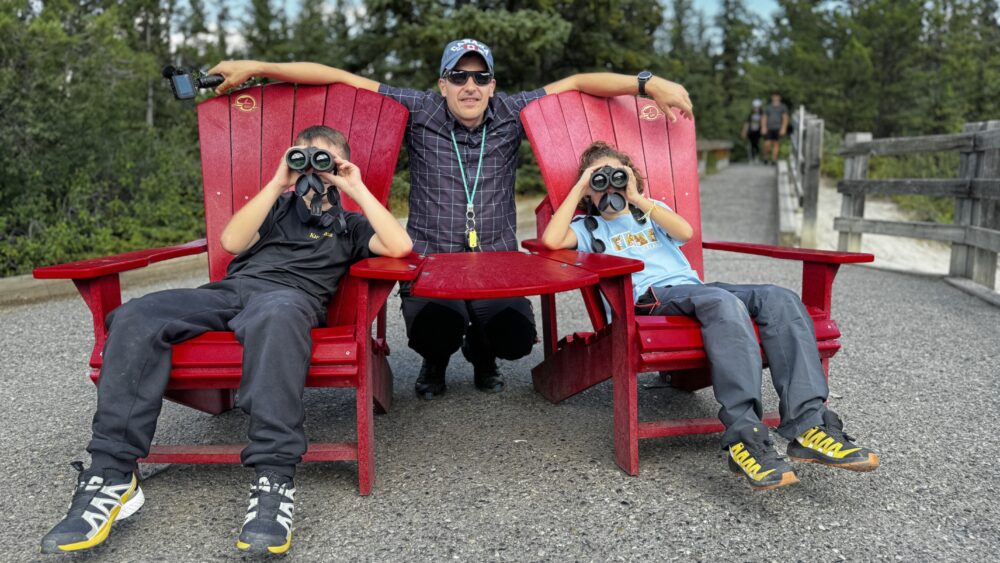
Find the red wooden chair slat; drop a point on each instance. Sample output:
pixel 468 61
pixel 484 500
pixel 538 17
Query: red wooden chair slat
pixel 559 128
pixel 216 173
pixel 243 136
pixel 246 161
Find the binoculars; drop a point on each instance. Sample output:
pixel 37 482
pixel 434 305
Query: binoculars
pixel 301 160
pixel 608 177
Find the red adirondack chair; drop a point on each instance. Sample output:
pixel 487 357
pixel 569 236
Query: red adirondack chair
pixel 243 136
pixel 560 127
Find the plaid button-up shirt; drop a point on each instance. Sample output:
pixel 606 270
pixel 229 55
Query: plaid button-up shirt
pixel 437 221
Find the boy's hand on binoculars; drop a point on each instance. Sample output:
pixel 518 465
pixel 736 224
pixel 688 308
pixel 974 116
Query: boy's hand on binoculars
pixel 235 73
pixel 284 175
pixel 348 177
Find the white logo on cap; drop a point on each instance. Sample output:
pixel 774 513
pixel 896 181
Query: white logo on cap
pixel 471 45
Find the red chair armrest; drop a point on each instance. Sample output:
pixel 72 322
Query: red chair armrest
pixel 97 267
pixel 382 268
pixel 604 265
pixel 786 253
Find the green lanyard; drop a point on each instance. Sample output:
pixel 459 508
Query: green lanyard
pixel 470 212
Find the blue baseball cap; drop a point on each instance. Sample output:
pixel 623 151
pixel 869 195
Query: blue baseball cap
pixel 458 49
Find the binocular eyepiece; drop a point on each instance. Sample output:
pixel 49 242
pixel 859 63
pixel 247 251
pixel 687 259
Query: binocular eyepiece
pixel 319 160
pixel 185 84
pixel 608 177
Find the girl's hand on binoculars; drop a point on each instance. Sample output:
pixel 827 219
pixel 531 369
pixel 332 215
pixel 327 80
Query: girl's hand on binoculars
pixel 235 73
pixel 632 189
pixel 580 189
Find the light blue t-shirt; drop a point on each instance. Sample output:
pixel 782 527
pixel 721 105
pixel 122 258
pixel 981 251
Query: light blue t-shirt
pixel 624 236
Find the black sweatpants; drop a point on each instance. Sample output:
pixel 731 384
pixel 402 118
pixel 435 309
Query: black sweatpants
pixel 492 328
pixel 271 320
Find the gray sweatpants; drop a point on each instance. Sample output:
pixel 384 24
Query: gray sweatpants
pixel 786 333
pixel 273 323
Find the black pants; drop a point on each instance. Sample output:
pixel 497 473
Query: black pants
pixel 754 138
pixel 492 328
pixel 272 321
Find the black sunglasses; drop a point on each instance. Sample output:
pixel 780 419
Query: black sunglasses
pixel 590 222
pixel 460 77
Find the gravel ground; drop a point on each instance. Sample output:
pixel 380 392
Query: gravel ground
pixel 510 477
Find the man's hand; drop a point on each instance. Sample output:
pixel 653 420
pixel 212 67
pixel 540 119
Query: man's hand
pixel 670 96
pixel 235 73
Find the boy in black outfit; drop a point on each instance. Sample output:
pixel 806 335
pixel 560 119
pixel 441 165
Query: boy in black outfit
pixel 287 267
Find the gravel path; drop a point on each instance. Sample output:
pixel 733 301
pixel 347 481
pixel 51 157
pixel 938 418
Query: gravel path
pixel 513 478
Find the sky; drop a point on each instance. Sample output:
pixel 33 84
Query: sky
pixel 762 7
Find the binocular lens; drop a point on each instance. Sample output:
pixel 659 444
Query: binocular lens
pixel 322 161
pixel 619 178
pixel 599 181
pixel 297 160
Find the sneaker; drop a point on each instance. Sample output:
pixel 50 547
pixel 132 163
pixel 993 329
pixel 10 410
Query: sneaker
pixel 486 375
pixel 101 498
pixel 430 382
pixel 754 457
pixel 829 445
pixel 268 525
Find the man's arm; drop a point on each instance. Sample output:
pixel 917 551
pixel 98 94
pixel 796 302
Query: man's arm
pixel 238 72
pixel 667 94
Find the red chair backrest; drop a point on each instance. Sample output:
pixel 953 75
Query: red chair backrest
pixel 245 134
pixel 560 127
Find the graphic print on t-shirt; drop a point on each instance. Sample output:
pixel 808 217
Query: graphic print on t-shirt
pixel 638 239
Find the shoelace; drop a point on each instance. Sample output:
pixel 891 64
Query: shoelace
pixel 84 493
pixel 269 497
pixel 762 451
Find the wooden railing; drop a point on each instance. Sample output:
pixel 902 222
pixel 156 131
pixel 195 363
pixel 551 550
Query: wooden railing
pixel 802 189
pixel 720 151
pixel 975 233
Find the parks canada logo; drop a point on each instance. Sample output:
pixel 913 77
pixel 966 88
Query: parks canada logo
pixel 245 102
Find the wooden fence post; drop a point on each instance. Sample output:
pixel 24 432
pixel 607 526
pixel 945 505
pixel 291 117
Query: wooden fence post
pixel 853 205
pixel 982 264
pixel 812 157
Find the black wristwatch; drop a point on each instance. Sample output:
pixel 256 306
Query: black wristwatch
pixel 643 77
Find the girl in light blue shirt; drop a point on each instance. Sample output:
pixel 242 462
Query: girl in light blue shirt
pixel 647 230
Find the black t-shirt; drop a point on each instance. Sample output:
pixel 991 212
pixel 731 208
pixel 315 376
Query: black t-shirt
pixel 295 254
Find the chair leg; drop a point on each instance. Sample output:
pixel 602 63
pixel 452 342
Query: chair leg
pixel 381 383
pixel 626 418
pixel 366 417
pixel 366 441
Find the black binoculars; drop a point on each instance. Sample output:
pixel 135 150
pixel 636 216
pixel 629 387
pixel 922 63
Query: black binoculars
pixel 608 176
pixel 301 160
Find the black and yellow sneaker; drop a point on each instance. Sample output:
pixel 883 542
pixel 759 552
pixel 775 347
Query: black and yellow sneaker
pixel 829 445
pixel 754 458
pixel 101 498
pixel 268 525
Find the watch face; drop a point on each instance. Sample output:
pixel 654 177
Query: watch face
pixel 645 75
